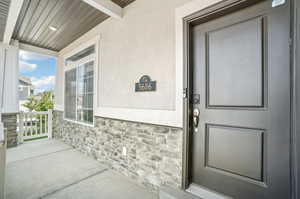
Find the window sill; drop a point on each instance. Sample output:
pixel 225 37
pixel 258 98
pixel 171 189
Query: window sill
pixel 80 123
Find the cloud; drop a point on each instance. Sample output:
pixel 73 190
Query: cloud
pixel 43 83
pixel 28 56
pixel 27 67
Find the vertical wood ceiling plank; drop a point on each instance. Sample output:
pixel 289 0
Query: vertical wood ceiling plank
pixel 72 18
pixel 35 17
pixel 11 21
pixel 61 6
pixel 66 29
pixel 28 16
pixel 21 17
pixel 85 24
pixel 85 27
pixel 4 8
pixel 42 20
pixel 123 3
pixel 60 22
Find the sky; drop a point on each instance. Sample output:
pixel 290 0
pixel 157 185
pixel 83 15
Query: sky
pixel 39 68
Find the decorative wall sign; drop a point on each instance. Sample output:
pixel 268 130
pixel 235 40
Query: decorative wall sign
pixel 145 84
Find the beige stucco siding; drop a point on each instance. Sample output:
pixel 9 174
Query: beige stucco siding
pixel 142 43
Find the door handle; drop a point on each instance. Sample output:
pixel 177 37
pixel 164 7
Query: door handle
pixel 196 114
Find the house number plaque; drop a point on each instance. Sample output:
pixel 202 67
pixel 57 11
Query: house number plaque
pixel 145 84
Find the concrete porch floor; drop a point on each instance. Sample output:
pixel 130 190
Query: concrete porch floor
pixel 50 169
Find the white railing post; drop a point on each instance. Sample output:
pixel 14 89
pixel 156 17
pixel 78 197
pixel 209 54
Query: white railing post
pixel 36 125
pixel 50 123
pixel 21 128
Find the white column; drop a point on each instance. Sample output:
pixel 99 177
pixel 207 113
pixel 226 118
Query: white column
pixel 9 71
pixel 50 123
pixel 21 128
pixel 2 136
pixel 10 77
pixel 2 167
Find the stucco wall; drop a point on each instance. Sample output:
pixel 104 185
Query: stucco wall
pixel 143 42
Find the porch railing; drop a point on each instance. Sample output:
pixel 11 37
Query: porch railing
pixel 34 125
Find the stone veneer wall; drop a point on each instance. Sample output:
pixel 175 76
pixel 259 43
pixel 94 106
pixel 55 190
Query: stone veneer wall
pixel 10 123
pixel 154 153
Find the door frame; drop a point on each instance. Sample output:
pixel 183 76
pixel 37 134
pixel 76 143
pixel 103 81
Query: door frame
pixel 295 106
pixel 216 10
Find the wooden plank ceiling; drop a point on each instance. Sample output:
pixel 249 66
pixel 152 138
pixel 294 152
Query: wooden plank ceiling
pixel 4 7
pixel 71 18
pixel 123 3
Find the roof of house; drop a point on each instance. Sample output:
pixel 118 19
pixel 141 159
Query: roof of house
pixel 25 80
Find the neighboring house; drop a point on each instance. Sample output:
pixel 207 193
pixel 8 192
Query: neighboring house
pixel 26 89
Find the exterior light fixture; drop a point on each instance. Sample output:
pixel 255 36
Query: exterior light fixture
pixel 52 28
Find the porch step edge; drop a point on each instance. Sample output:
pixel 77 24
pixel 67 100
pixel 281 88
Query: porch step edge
pixel 166 192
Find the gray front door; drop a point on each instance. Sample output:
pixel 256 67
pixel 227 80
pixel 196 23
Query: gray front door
pixel 241 70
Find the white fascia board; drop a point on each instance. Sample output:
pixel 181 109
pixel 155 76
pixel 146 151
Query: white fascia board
pixel 108 7
pixel 38 50
pixel 13 13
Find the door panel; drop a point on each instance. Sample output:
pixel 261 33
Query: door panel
pixel 241 72
pixel 239 82
pixel 244 147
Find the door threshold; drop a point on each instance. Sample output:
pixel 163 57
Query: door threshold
pixel 205 193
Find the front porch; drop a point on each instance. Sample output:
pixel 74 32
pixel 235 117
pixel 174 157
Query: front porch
pixel 173 99
pixel 51 169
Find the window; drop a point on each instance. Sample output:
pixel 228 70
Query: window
pixel 84 53
pixel 79 90
pixel 70 94
pixel 85 87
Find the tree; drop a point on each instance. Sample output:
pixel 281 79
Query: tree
pixel 42 103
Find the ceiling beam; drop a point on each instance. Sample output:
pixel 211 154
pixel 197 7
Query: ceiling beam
pixel 107 6
pixel 35 49
pixel 13 13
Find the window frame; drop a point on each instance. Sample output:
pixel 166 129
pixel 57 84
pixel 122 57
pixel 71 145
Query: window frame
pixel 67 67
pixel 76 65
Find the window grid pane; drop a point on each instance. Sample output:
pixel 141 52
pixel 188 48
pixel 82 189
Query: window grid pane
pixel 79 93
pixel 70 94
pixel 85 84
